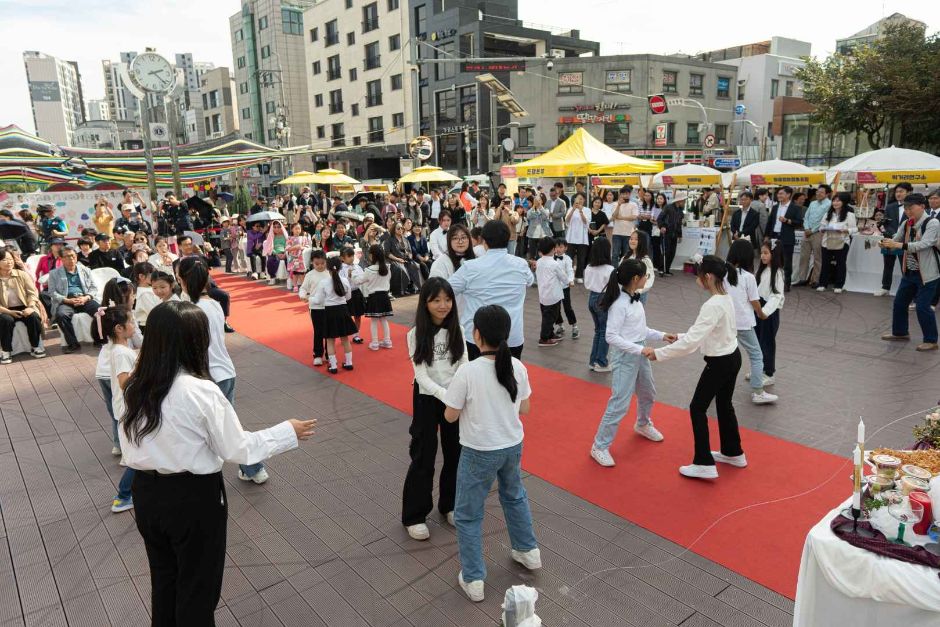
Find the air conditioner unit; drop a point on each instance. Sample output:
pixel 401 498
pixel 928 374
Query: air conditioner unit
pixel 557 54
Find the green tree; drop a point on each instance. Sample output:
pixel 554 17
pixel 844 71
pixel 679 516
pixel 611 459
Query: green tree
pixel 889 90
pixel 242 201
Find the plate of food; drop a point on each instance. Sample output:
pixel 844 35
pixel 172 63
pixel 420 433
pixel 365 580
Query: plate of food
pixel 886 460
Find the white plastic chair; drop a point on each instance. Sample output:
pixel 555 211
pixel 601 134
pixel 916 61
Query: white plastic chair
pixel 81 322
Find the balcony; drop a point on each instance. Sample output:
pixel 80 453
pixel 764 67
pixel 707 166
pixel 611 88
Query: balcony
pixel 370 24
pixel 376 137
pixel 373 100
pixel 339 141
pixel 332 39
pixel 336 107
pixel 333 73
pixel 372 62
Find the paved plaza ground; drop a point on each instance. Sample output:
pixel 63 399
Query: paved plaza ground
pixel 321 542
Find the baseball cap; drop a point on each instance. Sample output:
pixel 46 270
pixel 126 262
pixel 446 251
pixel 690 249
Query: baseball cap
pixel 102 237
pixel 55 240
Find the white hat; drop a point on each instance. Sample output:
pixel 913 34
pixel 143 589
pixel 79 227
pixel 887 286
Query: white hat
pixel 680 196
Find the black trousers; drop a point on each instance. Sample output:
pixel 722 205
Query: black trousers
pixel 220 296
pixel 656 246
pixel 182 519
pixel 766 331
pixel 228 259
pixel 833 267
pixel 887 272
pixel 417 499
pixel 578 254
pixel 716 382
pixel 569 311
pixel 669 251
pixel 318 319
pixel 550 313
pixel 473 352
pixel 33 325
pixel 787 261
pixel 63 317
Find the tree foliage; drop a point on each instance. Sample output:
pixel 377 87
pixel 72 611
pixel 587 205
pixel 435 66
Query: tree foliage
pixel 889 90
pixel 242 201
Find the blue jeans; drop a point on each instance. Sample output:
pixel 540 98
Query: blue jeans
pixel 106 393
pixel 632 373
pixel 475 474
pixel 620 247
pixel 748 341
pixel 599 345
pixel 228 389
pixel 511 247
pixel 124 487
pixel 912 289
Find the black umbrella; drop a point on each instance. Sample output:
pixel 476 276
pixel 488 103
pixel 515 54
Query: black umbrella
pixel 203 207
pixel 13 228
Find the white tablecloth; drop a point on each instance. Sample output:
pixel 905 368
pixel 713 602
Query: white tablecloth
pixel 840 584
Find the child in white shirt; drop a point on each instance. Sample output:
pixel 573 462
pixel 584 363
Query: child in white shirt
pixel 314 276
pixel 353 274
pixel 561 249
pixel 552 279
pixel 375 283
pixel 333 294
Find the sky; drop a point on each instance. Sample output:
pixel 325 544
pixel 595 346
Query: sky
pixel 88 31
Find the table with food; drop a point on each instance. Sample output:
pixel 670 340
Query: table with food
pixel 875 559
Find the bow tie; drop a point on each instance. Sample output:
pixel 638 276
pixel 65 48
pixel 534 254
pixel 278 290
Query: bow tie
pixel 635 298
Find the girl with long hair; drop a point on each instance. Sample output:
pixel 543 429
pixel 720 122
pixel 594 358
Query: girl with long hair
pixel 746 304
pixel 578 221
pixel 296 243
pixel 314 276
pixel 488 395
pixel 437 349
pixel 638 247
pixel 770 288
pixel 145 299
pixel 177 430
pixel 596 277
pixel 837 227
pixel 375 283
pixel 482 213
pixel 715 334
pixel 274 249
pixel 458 251
pixel 333 295
pixel 627 333
pixel 194 280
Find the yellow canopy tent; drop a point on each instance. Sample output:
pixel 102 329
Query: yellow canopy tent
pixel 323 177
pixel 428 173
pixel 581 155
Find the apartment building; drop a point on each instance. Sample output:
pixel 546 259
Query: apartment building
pixel 55 94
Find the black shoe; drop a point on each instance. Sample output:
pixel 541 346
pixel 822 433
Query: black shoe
pixel 668 273
pixel 71 349
pixel 358 340
pixel 347 366
pixel 786 288
pixel 801 283
pixel 228 328
pixel 813 285
pixel 662 274
pixel 332 370
pixel 99 343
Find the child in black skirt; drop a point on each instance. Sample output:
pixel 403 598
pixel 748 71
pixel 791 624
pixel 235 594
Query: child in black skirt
pixel 333 294
pixel 375 283
pixel 353 274
pixel 314 277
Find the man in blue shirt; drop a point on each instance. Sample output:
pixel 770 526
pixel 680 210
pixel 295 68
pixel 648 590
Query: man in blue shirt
pixel 496 278
pixel 812 236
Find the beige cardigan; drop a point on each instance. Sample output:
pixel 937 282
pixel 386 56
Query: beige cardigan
pixel 25 289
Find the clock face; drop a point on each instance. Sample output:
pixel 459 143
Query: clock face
pixel 152 72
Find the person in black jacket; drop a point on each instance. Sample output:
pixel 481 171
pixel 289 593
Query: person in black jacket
pixel 784 219
pixel 746 221
pixel 894 216
pixel 670 230
pixel 104 256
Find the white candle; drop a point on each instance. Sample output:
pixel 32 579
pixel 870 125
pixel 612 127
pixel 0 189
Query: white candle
pixel 861 431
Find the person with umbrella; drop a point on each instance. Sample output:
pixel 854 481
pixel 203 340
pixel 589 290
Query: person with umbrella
pixel 17 231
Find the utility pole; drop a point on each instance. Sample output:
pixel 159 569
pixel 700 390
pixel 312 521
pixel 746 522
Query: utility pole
pixel 172 122
pixel 148 147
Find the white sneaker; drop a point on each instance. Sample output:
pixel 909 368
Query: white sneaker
pixel 820 289
pixel 603 457
pixel 39 352
pixel 763 398
pixel 838 290
pixel 6 357
pixel 649 432
pixel 450 519
pixel 271 281
pixel 769 380
pixel 317 361
pixel 747 376
pixel 373 346
pixel 473 590
pixel 738 461
pixel 530 559
pixel 695 471
pixel 912 307
pixel 419 531
pixel 385 343
pixel 606 368
pixel 260 477
pixel 881 292
pixel 579 281
pixel 116 451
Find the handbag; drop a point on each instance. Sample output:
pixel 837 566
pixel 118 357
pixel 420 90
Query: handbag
pixel 834 243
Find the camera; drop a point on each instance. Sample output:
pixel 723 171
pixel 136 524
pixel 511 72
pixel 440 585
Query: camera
pixel 550 65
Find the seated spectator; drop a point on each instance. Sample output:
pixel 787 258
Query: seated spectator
pixel 419 249
pixel 162 259
pixel 104 256
pixel 47 263
pixel 19 302
pixel 85 246
pixel 71 287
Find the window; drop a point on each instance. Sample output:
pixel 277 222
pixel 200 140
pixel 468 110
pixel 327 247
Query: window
pixel 376 132
pixel 314 33
pixel 292 22
pixel 353 75
pixel 246 113
pixel 243 88
pixel 721 133
pixel 619 80
pixel 248 136
pixel 372 56
pixel 272 134
pixel 398 120
pixel 617 133
pixel 214 101
pixel 670 133
pixel 354 109
pixel 741 85
pixel 217 123
pixel 357 141
pixel 446 107
pixel 321 132
pixel 421 20
pixel 565 131
pixel 525 136
pixel 774 88
pixel 350 39
pixel 262 22
pixel 788 90
pixel 444 71
pixel 339 135
pixel 723 89
pixel 316 67
pixel 670 80
pixel 318 100
pixel 571 83
pixel 240 62
pixel 349 4
pixel 265 52
pixel 691 133
pixel 696 84
pixel 205 101
pixel 336 101
pixel 269 106
pixel 373 93
pixel 206 122
pixel 239 35
pixel 392 5
pixel 333 69
pixel 394 42
pixel 332 33
pixel 370 17
pixel 466 45
pixel 396 82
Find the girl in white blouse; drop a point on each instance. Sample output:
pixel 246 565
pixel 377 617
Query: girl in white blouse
pixel 770 290
pixel 437 349
pixel 638 247
pixel 715 333
pixel 627 333
pixel 333 294
pixel 837 228
pixel 176 432
pixel 596 277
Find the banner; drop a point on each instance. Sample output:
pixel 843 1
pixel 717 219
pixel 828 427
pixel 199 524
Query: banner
pixel 891 177
pixel 615 181
pixel 703 238
pixel 691 180
pixel 809 178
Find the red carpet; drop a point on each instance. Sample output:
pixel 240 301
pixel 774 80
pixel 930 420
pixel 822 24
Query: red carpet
pixel 762 543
